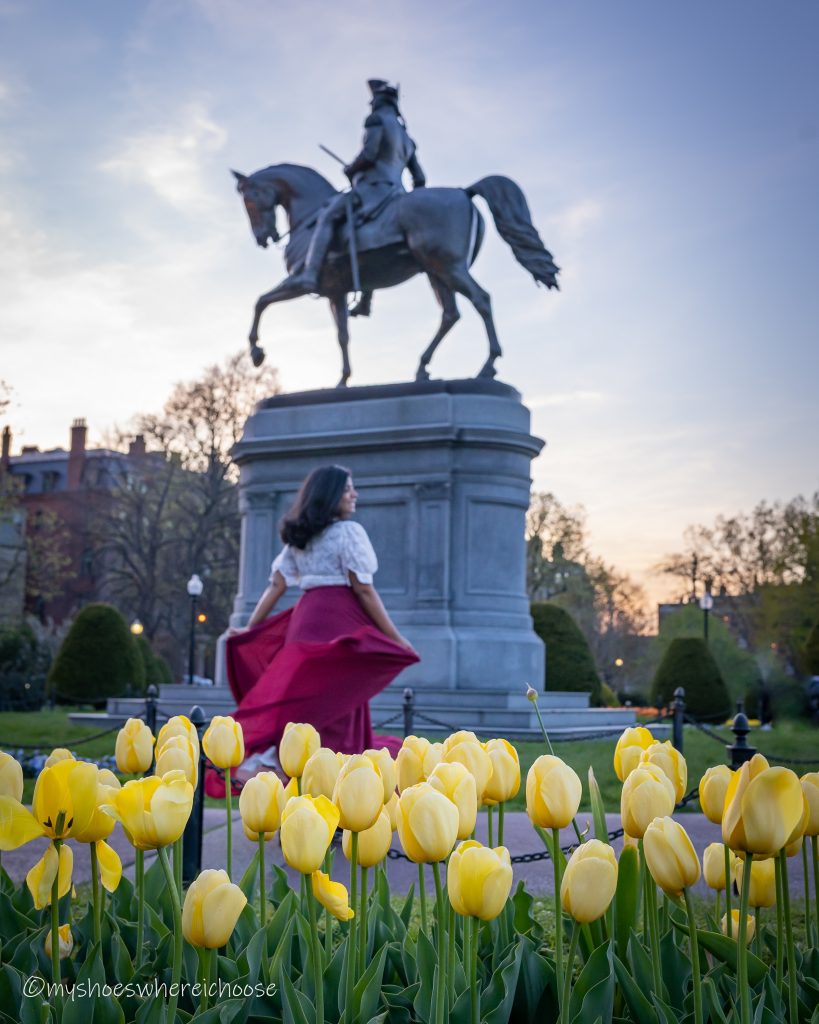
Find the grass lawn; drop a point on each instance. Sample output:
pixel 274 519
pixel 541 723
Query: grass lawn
pixel 49 728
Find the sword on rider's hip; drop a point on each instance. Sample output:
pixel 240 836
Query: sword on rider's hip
pixel 350 225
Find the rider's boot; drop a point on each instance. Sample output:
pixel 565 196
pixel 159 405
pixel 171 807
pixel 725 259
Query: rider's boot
pixel 308 278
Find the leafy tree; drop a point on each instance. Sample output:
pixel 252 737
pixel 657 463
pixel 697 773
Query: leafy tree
pixel 812 651
pixel 688 663
pixel 569 664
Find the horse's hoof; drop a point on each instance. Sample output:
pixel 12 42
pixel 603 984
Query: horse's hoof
pixel 342 383
pixel 487 371
pixel 422 373
pixel 257 354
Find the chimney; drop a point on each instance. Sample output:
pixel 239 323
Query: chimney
pixel 136 449
pixel 6 456
pixel 76 457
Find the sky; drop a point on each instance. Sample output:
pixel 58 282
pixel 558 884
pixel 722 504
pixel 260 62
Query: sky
pixel 669 154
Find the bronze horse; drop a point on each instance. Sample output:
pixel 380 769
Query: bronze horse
pixel 432 231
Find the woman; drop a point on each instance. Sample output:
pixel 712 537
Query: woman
pixel 322 660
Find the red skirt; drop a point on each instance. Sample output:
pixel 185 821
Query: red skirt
pixel 319 662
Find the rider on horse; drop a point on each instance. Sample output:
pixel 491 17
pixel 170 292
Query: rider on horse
pixel 375 175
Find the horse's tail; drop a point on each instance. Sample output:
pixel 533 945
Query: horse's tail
pixel 507 204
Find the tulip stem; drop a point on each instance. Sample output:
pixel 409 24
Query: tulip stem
pixel 780 924
pixel 814 842
pixel 176 973
pixel 204 973
pixel 318 963
pixel 450 957
pixel 729 921
pixel 262 892
pixel 489 829
pixel 650 918
pixel 742 947
pixel 351 934
pixel 55 931
pixel 756 931
pixel 471 923
pixel 177 866
pixel 695 957
pixel 328 920
pixel 716 907
pixel 422 895
pixel 558 911
pixel 567 980
pixel 805 878
pixel 139 868
pixel 440 942
pixel 501 809
pixel 362 923
pixel 95 891
pixel 786 903
pixel 229 809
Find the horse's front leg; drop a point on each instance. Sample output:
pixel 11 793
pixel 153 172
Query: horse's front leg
pixel 338 306
pixel 283 291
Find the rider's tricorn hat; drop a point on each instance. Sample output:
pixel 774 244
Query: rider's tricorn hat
pixel 383 90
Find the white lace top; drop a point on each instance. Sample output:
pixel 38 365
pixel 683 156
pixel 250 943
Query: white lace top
pixel 325 562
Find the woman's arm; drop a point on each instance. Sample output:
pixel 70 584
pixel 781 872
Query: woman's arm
pixel 266 603
pixel 372 604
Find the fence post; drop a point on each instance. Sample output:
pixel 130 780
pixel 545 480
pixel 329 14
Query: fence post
pixel 150 708
pixel 192 836
pixel 409 710
pixel 678 711
pixel 740 751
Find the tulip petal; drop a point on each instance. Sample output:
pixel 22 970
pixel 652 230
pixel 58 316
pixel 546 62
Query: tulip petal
pixel 18 825
pixel 110 865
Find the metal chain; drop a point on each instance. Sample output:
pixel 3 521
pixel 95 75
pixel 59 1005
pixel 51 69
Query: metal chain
pixel 523 858
pixel 74 743
pixel 689 797
pixel 708 731
pixel 387 721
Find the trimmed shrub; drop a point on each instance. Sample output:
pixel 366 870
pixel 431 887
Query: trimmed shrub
pixel 569 662
pixel 157 670
pixel 98 658
pixel 689 663
pixel 608 698
pixel 23 666
pixel 812 651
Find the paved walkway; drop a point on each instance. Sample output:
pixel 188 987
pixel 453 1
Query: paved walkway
pixel 519 837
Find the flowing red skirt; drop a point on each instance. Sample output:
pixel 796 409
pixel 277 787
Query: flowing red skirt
pixel 319 662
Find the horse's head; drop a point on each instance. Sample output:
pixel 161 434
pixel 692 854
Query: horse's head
pixel 261 199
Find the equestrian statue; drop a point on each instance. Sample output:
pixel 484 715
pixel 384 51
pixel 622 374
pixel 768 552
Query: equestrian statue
pixel 377 234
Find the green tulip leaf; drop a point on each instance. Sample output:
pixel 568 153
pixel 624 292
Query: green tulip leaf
pixel 406 910
pixel 676 970
pixel 278 888
pixel 13 920
pixel 626 899
pixel 100 1008
pixel 601 829
pixel 296 1006
pixel 725 949
pixel 712 1001
pixel 367 992
pixel 499 995
pixel 593 992
pixel 281 919
pixel 247 883
pixel 426 964
pixel 254 954
pixel 640 963
pixel 639 1005
pixel 536 994
pixel 523 905
pixel 227 969
pixel 152 1011
pixel 665 1014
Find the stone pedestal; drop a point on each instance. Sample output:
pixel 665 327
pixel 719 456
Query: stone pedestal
pixel 442 471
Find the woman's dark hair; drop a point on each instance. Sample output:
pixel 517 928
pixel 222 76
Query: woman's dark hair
pixel 315 507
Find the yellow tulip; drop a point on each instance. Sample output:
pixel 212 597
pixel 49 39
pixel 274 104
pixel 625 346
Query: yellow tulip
pixel 461 736
pixel 505 781
pixel 391 807
pixel 41 877
pixel 100 825
pixel 385 764
pixel 713 866
pixel 259 802
pixel 713 787
pixel 332 895
pixel 589 881
pixel 177 753
pixel 135 747
pixel 358 793
pixel 253 837
pixel 179 725
pixel 320 772
pixel 212 907
pixel 457 783
pixel 648 793
pixel 670 856
pixel 427 823
pixel 553 792
pixel 472 755
pixel 750 926
pixel 629 749
pixel 672 763
pixel 763 806
pixel 65 798
pixel 793 844
pixel 154 810
pixel 65 941
pixel 11 777
pixel 435 751
pixel 299 741
pixel 763 881
pixel 308 826
pixel 373 842
pixel 478 880
pixel 810 787
pixel 224 742
pixel 288 792
pixel 58 754
pixel 409 764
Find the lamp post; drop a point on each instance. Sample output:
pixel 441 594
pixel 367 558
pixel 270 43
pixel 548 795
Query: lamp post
pixel 195 586
pixel 706 603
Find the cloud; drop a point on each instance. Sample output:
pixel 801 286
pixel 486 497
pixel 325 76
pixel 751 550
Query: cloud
pixel 565 398
pixel 574 220
pixel 170 161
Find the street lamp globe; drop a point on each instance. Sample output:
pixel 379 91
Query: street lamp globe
pixel 137 628
pixel 195 586
pixel 706 602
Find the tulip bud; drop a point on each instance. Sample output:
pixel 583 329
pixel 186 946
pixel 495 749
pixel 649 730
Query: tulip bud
pixel 65 941
pixel 212 907
pixel 259 802
pixel 224 742
pixel 457 783
pixel 383 761
pixel 713 866
pixel 58 754
pixel 427 824
pixel 11 777
pixel 750 925
pixel 670 856
pixel 359 793
pixel 332 896
pixel 589 881
pixel 391 808
pixel 531 694
pixel 298 742
pixel 763 806
pixel 134 748
pixel 672 763
pixel 320 772
pixel 373 842
pixel 307 828
pixel 553 792
pixel 478 880
pixel 629 749
pixel 253 837
pixel 178 754
pixel 464 748
pixel 154 810
pixel 288 792
pixel 793 844
pixel 762 891
pixel 435 751
pixel 712 789
pixel 409 764
pixel 179 725
pixel 810 787
pixel 648 793
pixel 505 781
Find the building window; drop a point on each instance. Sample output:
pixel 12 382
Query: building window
pixel 51 481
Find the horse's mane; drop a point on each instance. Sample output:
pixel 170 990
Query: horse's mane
pixel 303 179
